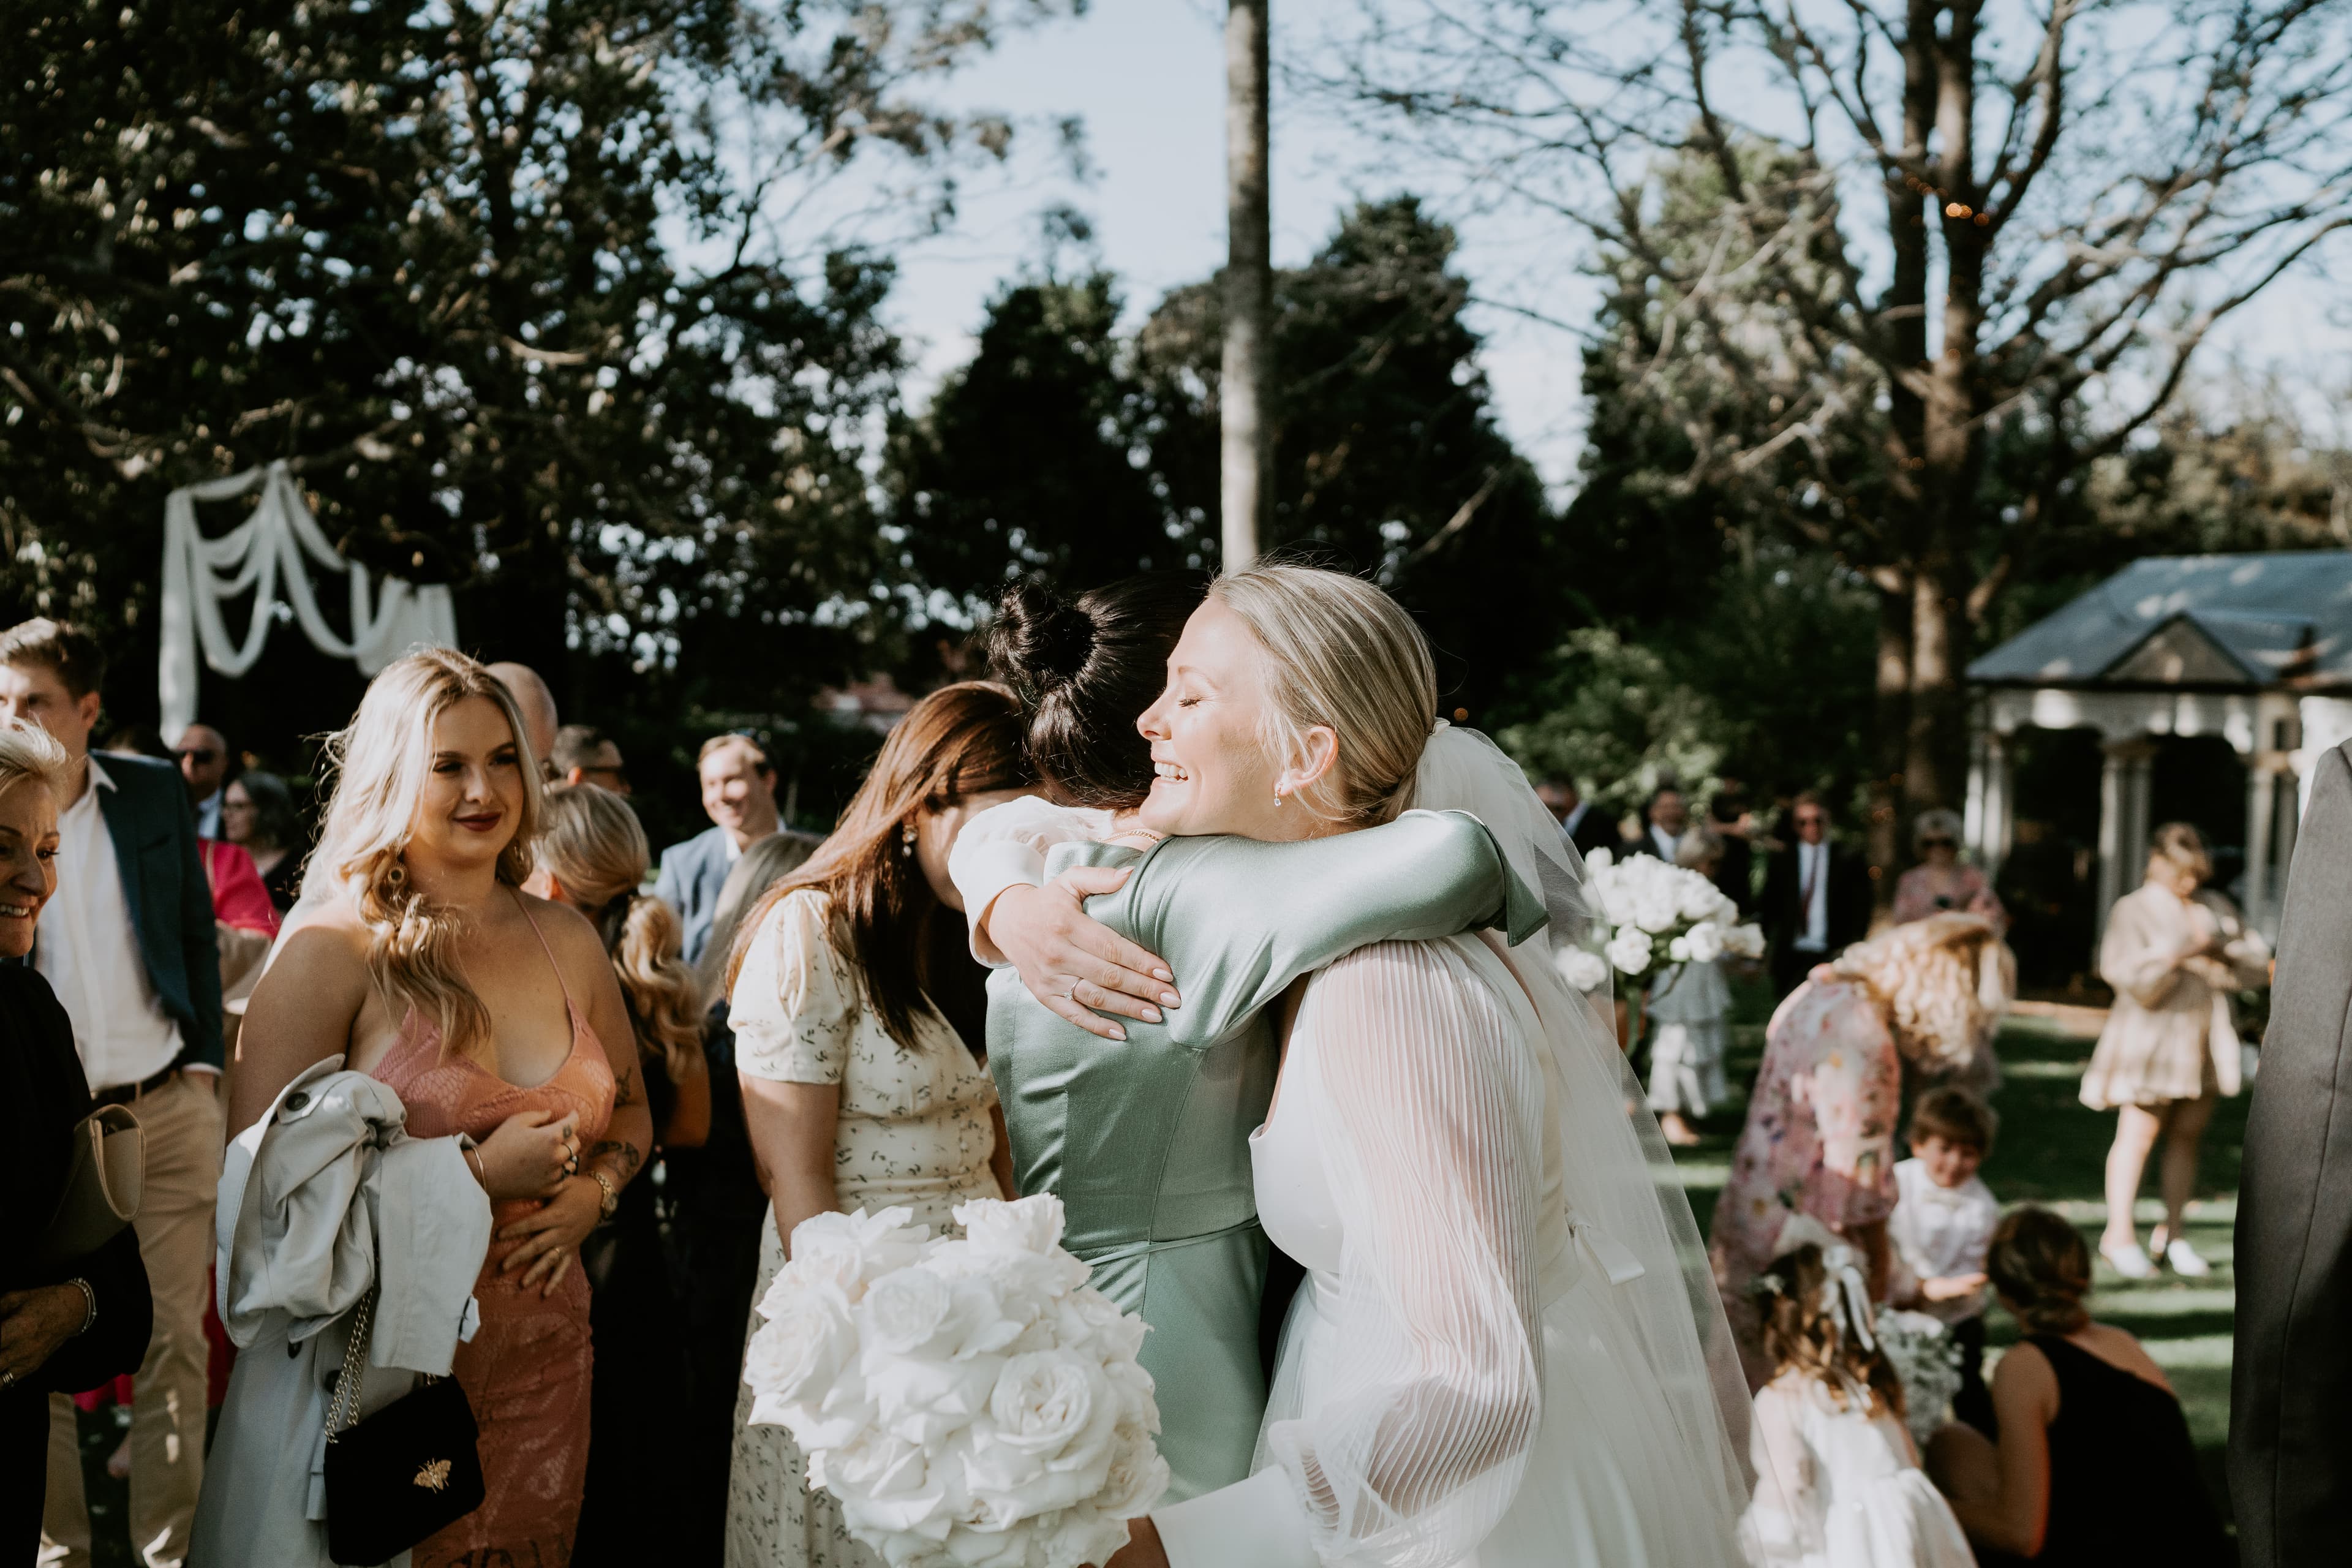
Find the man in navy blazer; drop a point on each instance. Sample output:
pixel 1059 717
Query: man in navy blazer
pixel 127 945
pixel 738 791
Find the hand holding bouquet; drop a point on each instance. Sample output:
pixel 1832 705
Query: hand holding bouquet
pixel 969 1401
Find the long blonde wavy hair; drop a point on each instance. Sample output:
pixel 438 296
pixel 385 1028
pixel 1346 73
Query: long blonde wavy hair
pixel 379 762
pixel 1944 982
pixel 595 848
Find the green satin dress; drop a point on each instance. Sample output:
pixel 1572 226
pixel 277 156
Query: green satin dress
pixel 1147 1140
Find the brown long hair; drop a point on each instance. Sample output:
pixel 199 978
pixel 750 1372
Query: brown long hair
pixel 961 739
pixel 1803 1331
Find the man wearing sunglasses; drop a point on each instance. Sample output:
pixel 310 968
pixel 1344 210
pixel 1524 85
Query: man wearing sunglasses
pixel 1816 895
pixel 203 755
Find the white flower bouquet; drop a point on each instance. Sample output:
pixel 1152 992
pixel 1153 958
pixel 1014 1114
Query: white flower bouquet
pixel 1926 1362
pixel 969 1401
pixel 1653 917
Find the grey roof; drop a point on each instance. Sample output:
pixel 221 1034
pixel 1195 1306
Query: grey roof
pixel 2273 616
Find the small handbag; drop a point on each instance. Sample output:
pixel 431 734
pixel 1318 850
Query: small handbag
pixel 102 1188
pixel 406 1471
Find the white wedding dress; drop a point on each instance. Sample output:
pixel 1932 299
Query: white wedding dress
pixel 1462 1379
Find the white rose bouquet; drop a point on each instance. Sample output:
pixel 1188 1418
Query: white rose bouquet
pixel 1926 1362
pixel 1653 917
pixel 970 1403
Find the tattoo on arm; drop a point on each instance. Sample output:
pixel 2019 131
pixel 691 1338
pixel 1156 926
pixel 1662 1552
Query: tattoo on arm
pixel 629 1090
pixel 625 1156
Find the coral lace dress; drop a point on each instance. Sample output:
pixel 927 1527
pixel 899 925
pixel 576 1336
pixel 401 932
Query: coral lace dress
pixel 527 1370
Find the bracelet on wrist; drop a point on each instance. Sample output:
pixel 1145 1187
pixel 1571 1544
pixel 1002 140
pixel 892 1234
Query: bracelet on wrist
pixel 612 1200
pixel 89 1305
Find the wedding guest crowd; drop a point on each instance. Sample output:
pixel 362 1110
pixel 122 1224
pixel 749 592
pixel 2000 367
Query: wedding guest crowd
pixel 611 1106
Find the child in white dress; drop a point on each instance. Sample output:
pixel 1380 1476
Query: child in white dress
pixel 1941 1228
pixel 1691 1005
pixel 1838 1484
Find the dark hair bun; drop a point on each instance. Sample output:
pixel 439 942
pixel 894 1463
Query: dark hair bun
pixel 1039 643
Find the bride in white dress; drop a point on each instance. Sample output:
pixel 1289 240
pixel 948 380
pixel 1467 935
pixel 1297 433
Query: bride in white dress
pixel 1507 1352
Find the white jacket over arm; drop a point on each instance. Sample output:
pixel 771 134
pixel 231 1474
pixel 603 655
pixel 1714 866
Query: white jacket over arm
pixel 323 1198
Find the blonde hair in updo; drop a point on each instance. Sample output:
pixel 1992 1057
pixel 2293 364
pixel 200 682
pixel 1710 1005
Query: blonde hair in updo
pixel 1944 982
pixel 595 848
pixel 379 762
pixel 29 751
pixel 1343 655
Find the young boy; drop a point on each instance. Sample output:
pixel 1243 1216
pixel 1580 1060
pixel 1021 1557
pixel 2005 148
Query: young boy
pixel 1943 1223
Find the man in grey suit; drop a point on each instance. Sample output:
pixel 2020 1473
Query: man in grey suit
pixel 127 945
pixel 738 791
pixel 2291 1380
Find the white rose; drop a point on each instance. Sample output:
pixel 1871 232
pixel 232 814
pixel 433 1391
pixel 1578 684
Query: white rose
pixel 903 1311
pixel 1600 860
pixel 851 1250
pixel 1656 909
pixel 1089 1320
pixel 1747 941
pixel 1697 897
pixel 871 1464
pixel 980 1546
pixel 798 1352
pixel 1027 1225
pixel 1046 1442
pixel 1628 949
pixel 1138 1474
pixel 922 1399
pixel 1620 901
pixel 1585 969
pixel 1705 943
pixel 1077 1536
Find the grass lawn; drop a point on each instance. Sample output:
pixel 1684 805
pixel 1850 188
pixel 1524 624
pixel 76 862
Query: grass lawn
pixel 2052 1150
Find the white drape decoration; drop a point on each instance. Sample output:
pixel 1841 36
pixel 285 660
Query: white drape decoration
pixel 260 555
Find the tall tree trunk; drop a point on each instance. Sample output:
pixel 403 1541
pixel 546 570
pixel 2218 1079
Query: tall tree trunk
pixel 1891 726
pixel 1242 398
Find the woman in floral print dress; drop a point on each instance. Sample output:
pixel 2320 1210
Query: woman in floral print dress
pixel 857 1089
pixel 1820 1138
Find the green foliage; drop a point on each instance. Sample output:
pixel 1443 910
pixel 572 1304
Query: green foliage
pixel 1618 720
pixel 504 284
pixel 1031 457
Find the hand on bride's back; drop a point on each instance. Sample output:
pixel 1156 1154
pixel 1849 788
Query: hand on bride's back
pixel 1072 961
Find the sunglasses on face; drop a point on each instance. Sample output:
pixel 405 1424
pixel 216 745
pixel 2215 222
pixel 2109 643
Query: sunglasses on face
pixel 1938 844
pixel 202 756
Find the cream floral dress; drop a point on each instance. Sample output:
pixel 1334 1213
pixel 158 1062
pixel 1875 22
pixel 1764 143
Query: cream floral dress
pixel 914 1130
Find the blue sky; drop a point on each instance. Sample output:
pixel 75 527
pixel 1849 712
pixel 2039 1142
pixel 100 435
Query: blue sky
pixel 1146 77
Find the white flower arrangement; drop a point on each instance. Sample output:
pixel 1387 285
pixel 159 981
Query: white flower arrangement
pixel 1653 917
pixel 1927 1362
pixel 970 1403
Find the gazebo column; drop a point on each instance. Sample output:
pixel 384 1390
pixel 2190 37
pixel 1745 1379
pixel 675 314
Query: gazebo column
pixel 2122 818
pixel 2262 809
pixel 1999 804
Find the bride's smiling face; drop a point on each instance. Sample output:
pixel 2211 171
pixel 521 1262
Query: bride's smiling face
pixel 1208 734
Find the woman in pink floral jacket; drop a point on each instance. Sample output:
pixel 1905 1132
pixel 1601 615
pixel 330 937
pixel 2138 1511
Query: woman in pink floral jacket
pixel 1820 1138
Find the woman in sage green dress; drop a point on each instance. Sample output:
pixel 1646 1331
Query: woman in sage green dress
pixel 1146 1140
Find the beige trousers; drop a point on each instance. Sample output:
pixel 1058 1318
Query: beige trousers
pixel 183 1123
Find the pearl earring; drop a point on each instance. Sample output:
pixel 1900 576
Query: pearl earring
pixel 1277 799
pixel 907 841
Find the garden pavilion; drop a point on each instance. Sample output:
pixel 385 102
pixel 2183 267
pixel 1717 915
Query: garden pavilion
pixel 2190 673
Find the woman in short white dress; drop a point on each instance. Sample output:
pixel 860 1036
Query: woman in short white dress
pixel 857 1090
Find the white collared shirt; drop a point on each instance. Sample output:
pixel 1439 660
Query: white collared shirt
pixel 1574 820
pixel 1665 842
pixel 88 952
pixel 1813 877
pixel 1940 1232
pixel 208 812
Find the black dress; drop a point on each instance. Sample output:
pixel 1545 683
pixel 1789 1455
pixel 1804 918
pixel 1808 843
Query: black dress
pixel 638 1397
pixel 42 1095
pixel 2124 1487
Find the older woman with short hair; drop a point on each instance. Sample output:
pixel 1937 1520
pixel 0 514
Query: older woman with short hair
pixel 1941 881
pixel 1820 1138
pixel 2175 951
pixel 69 1323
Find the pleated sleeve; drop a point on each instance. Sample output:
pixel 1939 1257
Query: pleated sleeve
pixel 1430 1116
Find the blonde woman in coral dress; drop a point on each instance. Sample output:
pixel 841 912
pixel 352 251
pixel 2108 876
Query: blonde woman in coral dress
pixel 415 957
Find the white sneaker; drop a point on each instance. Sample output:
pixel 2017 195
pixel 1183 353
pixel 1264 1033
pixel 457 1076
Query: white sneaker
pixel 2183 1260
pixel 2132 1261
